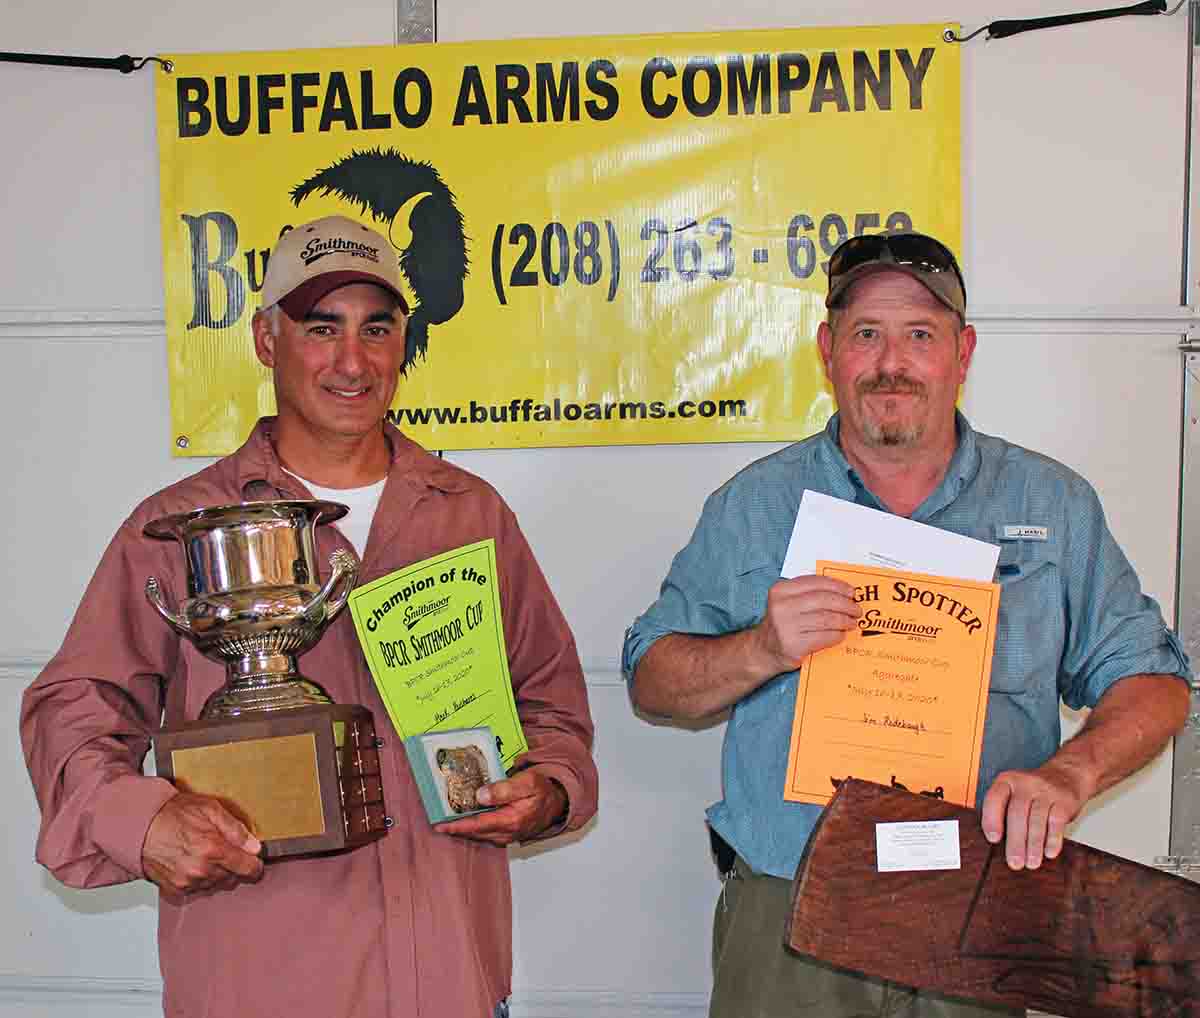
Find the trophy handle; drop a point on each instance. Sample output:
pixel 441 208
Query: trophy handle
pixel 155 597
pixel 326 604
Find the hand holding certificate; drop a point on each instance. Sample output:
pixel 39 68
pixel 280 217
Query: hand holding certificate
pixel 433 636
pixel 902 700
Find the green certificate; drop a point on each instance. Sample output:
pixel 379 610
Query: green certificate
pixel 434 641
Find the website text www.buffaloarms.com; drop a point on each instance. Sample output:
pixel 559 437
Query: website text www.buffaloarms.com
pixel 528 410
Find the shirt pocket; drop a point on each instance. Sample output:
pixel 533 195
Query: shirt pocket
pixel 1031 622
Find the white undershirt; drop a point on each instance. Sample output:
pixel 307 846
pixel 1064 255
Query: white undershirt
pixel 356 524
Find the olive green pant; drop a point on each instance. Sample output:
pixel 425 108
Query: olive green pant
pixel 755 976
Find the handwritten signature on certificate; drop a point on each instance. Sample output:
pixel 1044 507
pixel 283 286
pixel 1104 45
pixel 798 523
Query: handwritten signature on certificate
pixel 903 699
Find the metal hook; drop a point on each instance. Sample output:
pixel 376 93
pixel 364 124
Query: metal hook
pixel 140 62
pixel 949 36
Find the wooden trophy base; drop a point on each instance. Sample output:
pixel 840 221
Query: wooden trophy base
pixel 1086 935
pixel 303 780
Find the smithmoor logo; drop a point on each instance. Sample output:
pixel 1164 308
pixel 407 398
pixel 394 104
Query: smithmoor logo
pixel 414 614
pixel 875 623
pixel 316 249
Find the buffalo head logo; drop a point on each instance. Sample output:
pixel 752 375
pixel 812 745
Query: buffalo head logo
pixel 423 224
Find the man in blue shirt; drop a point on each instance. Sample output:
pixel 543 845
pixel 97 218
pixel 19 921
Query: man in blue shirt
pixel 727 632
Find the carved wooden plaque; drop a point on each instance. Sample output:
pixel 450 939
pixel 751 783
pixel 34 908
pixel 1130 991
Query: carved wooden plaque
pixel 1086 935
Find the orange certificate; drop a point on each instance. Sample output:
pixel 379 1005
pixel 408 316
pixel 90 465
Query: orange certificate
pixel 902 700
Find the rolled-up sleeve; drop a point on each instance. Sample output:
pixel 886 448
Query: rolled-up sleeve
pixel 86 723
pixel 1114 629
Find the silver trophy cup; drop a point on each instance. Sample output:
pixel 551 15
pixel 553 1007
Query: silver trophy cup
pixel 301 771
pixel 254 603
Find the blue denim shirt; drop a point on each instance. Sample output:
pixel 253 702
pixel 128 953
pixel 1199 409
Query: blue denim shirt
pixel 1073 618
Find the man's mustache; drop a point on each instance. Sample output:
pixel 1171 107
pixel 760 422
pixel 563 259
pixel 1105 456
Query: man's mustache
pixel 886 384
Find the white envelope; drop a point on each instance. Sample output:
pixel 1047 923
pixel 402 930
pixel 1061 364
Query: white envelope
pixel 840 531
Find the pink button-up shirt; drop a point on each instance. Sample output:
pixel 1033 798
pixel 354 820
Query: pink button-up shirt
pixel 417 923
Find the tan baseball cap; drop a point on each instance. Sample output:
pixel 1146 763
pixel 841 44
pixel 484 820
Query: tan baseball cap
pixel 314 259
pixel 924 258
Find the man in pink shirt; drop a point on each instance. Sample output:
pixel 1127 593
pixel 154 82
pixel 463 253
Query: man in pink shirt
pixel 418 922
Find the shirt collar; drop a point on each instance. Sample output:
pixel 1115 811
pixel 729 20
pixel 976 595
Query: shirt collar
pixel 842 477
pixel 964 465
pixel 261 476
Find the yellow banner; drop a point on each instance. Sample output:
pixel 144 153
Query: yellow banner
pixel 608 240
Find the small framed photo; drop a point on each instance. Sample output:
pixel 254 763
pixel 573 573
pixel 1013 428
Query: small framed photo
pixel 450 767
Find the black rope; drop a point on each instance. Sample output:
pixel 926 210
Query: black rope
pixel 124 63
pixel 1003 29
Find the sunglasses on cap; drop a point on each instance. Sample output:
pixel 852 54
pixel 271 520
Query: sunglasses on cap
pixel 915 251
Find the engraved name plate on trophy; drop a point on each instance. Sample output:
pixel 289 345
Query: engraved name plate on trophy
pixel 301 771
